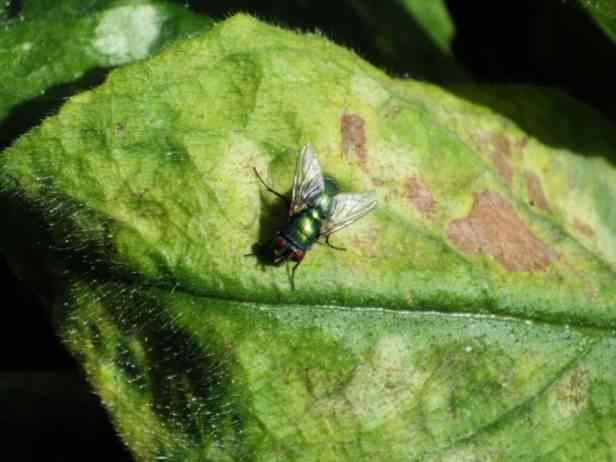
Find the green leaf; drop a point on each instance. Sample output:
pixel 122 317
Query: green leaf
pixel 604 13
pixel 433 17
pixel 54 49
pixel 471 318
pixel 412 34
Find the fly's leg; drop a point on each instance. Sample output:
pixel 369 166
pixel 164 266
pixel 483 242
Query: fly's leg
pixel 282 196
pixel 342 249
pixel 292 278
pixel 329 244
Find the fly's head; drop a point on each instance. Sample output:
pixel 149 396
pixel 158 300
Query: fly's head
pixel 284 250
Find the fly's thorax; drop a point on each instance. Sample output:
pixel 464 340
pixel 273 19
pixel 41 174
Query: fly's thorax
pixel 313 214
pixel 304 228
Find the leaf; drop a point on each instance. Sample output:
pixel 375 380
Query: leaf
pixel 53 49
pixel 472 316
pixel 604 13
pixel 412 35
pixel 434 19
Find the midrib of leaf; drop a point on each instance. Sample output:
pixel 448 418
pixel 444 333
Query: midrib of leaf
pixel 588 329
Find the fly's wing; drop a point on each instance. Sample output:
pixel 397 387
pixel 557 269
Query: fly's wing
pixel 347 208
pixel 308 181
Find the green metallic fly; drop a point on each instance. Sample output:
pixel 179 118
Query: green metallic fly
pixel 316 210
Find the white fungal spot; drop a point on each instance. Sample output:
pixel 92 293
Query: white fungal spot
pixel 463 454
pixel 385 384
pixel 127 33
pixel 569 397
pixel 26 46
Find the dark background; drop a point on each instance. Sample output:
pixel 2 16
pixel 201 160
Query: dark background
pixel 49 406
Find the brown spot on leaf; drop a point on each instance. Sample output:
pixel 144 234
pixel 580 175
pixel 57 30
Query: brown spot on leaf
pixel 493 227
pixel 353 138
pixel 583 228
pixel 501 156
pixel 501 145
pixel 503 168
pixel 419 196
pixel 521 144
pixel 364 243
pixel 498 149
pixel 519 147
pixel 536 197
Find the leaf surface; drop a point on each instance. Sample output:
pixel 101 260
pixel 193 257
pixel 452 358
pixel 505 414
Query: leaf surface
pixel 472 316
pixel 604 13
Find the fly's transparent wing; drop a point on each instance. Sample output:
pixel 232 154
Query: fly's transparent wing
pixel 347 208
pixel 308 181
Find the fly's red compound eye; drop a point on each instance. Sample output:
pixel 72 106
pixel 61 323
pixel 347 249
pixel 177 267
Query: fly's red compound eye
pixel 279 243
pixel 298 255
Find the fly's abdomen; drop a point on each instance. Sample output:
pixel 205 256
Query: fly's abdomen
pixel 304 228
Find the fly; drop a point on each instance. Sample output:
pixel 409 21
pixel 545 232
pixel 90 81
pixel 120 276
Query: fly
pixel 316 211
